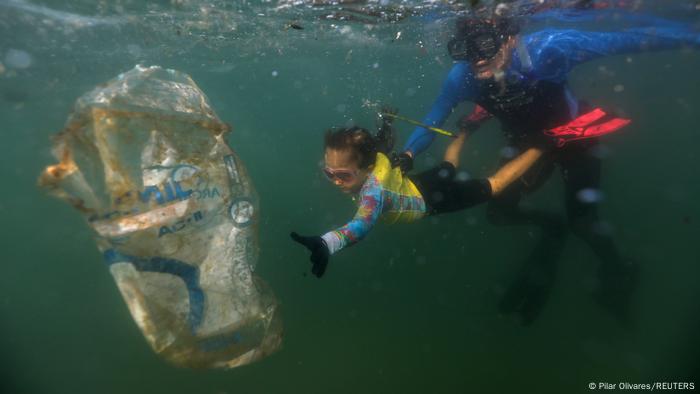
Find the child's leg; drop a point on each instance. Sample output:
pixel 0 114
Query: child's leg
pixel 444 191
pixel 513 170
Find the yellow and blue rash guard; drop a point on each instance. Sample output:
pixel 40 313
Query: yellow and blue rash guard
pixel 387 194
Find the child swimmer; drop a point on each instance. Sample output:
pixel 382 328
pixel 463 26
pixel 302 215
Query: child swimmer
pixel 355 163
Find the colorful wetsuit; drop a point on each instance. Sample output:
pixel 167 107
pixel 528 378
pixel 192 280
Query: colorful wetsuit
pixel 536 96
pixel 387 194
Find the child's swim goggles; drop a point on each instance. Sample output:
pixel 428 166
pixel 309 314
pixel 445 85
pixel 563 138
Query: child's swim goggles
pixel 344 176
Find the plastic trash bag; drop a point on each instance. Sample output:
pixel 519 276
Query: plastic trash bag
pixel 144 159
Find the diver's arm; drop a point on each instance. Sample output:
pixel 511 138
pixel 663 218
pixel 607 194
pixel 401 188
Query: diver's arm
pixel 368 212
pixel 513 170
pixel 559 51
pixel 457 87
pixel 611 14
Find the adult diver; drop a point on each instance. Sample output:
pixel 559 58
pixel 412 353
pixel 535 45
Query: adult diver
pixel 522 81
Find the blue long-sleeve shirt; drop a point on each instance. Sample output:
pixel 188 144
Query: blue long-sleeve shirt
pixel 552 54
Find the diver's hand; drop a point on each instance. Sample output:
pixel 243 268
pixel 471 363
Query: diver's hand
pixel 403 160
pixel 319 252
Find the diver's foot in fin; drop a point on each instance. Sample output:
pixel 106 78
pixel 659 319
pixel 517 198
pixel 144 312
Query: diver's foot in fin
pixel 526 297
pixel 593 124
pixel 617 285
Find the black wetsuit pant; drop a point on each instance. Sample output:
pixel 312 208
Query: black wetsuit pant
pixel 580 168
pixel 445 190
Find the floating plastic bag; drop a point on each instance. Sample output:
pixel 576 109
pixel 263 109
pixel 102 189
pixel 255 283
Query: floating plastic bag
pixel 144 159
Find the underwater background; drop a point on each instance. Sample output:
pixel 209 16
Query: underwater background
pixel 411 309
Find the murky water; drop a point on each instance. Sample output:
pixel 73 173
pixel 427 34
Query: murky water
pixel 413 308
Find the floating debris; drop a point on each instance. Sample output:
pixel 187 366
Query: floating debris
pixel 145 160
pixel 294 26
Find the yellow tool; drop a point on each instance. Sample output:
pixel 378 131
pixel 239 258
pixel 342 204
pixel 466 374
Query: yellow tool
pixel 417 123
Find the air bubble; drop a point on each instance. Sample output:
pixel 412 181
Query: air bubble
pixel 134 50
pixel 15 58
pixel 509 152
pixel 463 176
pixel 589 196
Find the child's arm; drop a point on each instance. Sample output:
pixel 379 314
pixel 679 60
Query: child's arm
pixel 321 247
pixel 368 212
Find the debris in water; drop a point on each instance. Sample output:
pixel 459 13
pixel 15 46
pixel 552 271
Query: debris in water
pixel 144 158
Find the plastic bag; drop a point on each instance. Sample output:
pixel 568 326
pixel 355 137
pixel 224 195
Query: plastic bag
pixel 144 159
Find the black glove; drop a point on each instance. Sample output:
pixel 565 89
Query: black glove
pixel 403 160
pixel 319 252
pixel 385 117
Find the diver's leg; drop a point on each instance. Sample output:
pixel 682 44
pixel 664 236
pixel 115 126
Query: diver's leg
pixel 531 288
pixel 617 277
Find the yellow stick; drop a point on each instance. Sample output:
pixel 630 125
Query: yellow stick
pixel 417 123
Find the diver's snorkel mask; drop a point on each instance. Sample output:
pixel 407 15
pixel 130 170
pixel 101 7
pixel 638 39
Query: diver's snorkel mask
pixel 480 39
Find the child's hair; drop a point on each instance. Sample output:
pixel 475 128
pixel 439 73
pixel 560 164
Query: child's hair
pixel 356 140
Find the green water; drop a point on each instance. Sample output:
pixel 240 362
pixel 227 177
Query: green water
pixel 413 308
